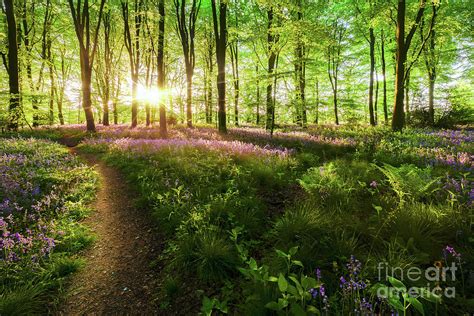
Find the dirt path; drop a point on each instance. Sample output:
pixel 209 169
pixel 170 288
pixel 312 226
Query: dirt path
pixel 117 278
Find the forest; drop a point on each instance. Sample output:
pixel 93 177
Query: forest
pixel 244 157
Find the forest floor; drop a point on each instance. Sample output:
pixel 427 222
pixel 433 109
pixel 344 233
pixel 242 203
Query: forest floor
pixel 117 277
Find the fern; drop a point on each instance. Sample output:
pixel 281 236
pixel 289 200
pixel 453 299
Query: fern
pixel 409 182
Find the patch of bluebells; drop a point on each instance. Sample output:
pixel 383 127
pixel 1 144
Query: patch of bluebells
pixel 36 178
pixel 147 146
pixel 320 292
pixel 449 251
pixel 352 281
pixel 461 189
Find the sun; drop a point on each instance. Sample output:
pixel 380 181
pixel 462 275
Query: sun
pixel 149 95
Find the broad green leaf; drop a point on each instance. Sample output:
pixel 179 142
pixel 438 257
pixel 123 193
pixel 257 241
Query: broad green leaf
pixel 395 303
pixel 282 283
pixel 273 306
pixel 297 310
pixel 313 310
pixel 417 304
pixel 397 284
pixel 428 295
pixel 293 250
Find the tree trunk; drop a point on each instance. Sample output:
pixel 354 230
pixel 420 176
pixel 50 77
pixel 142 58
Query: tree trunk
pixel 234 54
pixel 385 107
pixel 134 100
pixel 372 70
pixel 52 84
pixel 403 44
pixel 86 94
pixel 161 67
pixel 271 43
pixel 407 97
pixel 189 96
pixel 258 94
pixel 398 118
pixel 316 118
pixel 221 42
pixel 13 82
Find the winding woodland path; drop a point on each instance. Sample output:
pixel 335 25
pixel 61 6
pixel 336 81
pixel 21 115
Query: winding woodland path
pixel 117 278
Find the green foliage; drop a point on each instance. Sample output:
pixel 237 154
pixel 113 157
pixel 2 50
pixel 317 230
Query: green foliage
pixel 410 183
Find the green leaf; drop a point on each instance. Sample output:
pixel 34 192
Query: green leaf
pixel 293 291
pixel 272 279
pixel 313 310
pixel 395 303
pixel 274 306
pixel 397 284
pixel 298 285
pixel 293 250
pixel 308 282
pixel 281 254
pixel 253 264
pixel 297 263
pixel 282 283
pixel 417 304
pixel 297 310
pixel 428 295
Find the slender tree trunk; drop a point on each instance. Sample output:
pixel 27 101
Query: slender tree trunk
pixel 13 81
pixel 161 67
pixel 316 118
pixel 87 53
pixel 234 54
pixel 372 70
pixel 189 96
pixel 272 55
pixel 52 83
pixel 108 66
pixel 258 94
pixel 385 107
pixel 376 99
pixel 220 32
pixel 407 97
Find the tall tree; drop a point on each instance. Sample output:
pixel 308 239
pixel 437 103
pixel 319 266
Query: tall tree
pixel 186 26
pixel 272 42
pixel 300 67
pixel 220 33
pixel 382 57
pixel 107 66
pixel 431 62
pixel 402 68
pixel 13 78
pixel 334 61
pixel 161 67
pixel 132 43
pixel 87 51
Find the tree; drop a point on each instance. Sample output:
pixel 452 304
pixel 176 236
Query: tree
pixel 384 75
pixel 87 51
pixel 13 81
pixel 161 68
pixel 133 47
pixel 272 41
pixel 220 33
pixel 431 62
pixel 402 69
pixel 186 30
pixel 234 58
pixel 334 61
pixel 300 68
